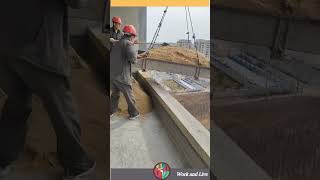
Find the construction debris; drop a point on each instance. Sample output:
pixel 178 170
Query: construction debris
pixel 178 55
pixel 173 85
pixel 177 83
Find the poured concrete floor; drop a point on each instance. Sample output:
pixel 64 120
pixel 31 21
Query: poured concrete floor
pixel 141 143
pixel 40 176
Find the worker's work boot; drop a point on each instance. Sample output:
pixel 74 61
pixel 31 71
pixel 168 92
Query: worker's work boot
pixel 77 175
pixel 134 116
pixel 4 171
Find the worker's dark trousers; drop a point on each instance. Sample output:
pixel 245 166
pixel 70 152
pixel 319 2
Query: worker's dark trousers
pixel 126 90
pixel 19 80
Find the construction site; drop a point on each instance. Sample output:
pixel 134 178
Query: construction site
pixel 172 91
pixel 265 92
pixel 39 159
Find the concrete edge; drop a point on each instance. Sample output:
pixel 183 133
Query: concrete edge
pixel 94 34
pixel 80 61
pixel 230 162
pixel 197 136
pixel 168 62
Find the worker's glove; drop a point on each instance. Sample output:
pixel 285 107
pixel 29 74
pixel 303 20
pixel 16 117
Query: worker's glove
pixel 113 40
pixel 142 55
pixel 77 4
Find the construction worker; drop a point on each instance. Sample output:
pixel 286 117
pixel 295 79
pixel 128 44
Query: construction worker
pixel 121 58
pixel 115 32
pixel 38 64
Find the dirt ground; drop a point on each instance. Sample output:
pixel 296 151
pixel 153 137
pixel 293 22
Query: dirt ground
pixel 281 135
pixel 198 104
pixel 178 55
pixel 297 8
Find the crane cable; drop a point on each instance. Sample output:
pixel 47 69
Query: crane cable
pixel 188 32
pixel 155 36
pixel 197 72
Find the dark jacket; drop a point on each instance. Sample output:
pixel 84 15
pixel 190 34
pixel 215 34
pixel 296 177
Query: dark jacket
pixel 117 35
pixel 123 54
pixel 37 32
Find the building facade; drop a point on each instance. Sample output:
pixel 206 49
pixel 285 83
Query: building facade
pixel 203 46
pixel 185 43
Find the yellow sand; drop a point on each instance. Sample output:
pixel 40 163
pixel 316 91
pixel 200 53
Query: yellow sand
pixel 143 101
pixel 178 55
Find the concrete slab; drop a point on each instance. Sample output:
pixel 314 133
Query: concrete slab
pixel 192 139
pixel 229 162
pixel 141 143
pixel 37 175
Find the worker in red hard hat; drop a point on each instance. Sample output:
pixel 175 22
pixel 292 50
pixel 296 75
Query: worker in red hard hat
pixel 115 32
pixel 121 57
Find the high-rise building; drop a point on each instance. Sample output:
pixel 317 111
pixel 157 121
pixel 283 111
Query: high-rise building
pixel 185 43
pixel 203 46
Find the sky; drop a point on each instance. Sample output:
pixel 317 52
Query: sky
pixel 174 26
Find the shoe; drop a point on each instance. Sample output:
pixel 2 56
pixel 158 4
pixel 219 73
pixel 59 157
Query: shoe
pixel 134 117
pixel 69 175
pixel 4 171
pixel 111 115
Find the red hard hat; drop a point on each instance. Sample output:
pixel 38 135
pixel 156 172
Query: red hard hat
pixel 116 19
pixel 130 29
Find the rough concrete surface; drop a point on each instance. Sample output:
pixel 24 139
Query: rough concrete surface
pixel 141 143
pixel 281 135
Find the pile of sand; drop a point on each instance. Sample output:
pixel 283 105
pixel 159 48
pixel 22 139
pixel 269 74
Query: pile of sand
pixel 298 8
pixel 178 55
pixel 143 101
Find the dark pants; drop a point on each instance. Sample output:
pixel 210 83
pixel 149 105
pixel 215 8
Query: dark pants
pixel 126 90
pixel 19 80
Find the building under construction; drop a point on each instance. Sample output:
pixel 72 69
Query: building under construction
pixel 180 127
pixel 265 93
pixel 170 129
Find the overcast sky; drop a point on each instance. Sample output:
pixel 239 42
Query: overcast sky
pixel 174 26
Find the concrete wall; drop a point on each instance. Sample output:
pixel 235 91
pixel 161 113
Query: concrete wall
pixel 259 29
pixel 136 16
pixel 304 36
pixel 80 19
pixel 243 27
